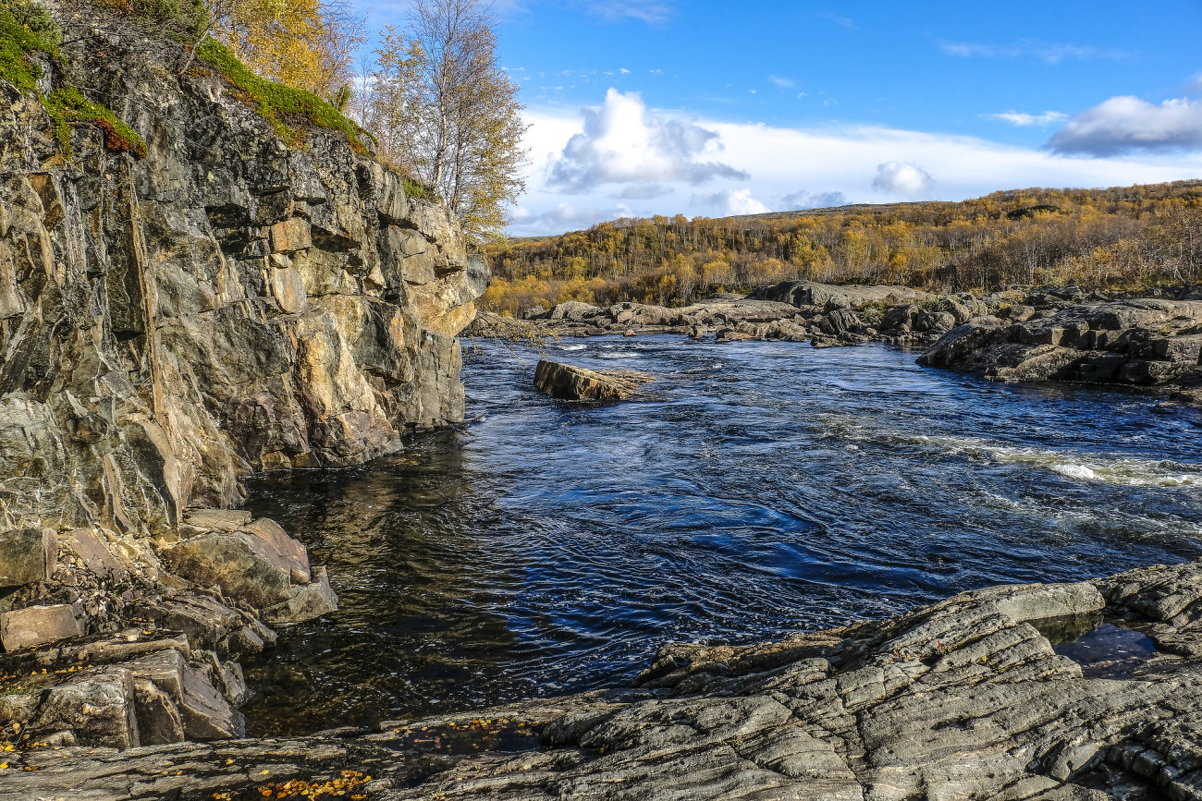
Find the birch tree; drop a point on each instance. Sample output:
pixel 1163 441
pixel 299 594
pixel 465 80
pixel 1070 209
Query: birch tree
pixel 444 109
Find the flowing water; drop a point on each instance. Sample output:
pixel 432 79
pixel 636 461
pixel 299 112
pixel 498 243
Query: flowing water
pixel 756 490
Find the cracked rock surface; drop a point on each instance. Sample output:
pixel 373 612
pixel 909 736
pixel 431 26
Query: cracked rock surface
pixel 964 699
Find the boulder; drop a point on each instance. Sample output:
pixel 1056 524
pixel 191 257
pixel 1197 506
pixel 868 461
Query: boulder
pixel 574 311
pixel 311 600
pixel 38 625
pixel 811 293
pixel 97 705
pixel 27 555
pixel 567 382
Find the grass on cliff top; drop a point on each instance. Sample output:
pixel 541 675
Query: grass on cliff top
pixel 26 29
pixel 17 43
pixel 278 103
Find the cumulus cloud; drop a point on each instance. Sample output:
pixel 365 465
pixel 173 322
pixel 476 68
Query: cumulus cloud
pixel 1128 124
pixel 1047 52
pixel 836 158
pixel 902 178
pixel 1024 120
pixel 653 13
pixel 797 201
pixel 782 82
pixel 736 201
pixel 623 142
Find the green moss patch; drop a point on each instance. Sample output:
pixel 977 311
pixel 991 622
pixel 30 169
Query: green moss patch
pixel 17 43
pixel 25 29
pixel 283 106
pixel 68 105
pixel 415 188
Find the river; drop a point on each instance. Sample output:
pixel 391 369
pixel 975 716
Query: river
pixel 757 489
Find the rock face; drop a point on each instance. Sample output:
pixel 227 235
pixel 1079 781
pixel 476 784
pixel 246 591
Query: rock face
pixel 231 302
pixel 227 304
pixel 1143 342
pixel 965 699
pixel 567 382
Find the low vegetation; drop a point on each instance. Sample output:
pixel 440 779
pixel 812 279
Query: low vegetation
pixel 1121 238
pixel 28 34
pixel 281 105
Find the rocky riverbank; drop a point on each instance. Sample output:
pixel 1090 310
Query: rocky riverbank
pixel 234 295
pixel 967 698
pixel 1062 334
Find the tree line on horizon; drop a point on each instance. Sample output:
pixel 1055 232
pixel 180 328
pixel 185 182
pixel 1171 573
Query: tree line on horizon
pixel 1120 238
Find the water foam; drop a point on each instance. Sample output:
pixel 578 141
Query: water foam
pixel 1079 466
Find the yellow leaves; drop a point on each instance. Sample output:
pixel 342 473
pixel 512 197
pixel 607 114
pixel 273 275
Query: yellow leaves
pixel 306 44
pixel 347 783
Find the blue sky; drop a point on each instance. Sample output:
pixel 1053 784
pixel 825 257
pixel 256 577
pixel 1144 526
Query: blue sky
pixel 708 108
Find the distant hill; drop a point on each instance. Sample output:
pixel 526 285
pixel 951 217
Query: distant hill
pixel 1119 237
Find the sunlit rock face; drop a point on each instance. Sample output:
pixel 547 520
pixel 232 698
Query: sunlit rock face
pixel 230 303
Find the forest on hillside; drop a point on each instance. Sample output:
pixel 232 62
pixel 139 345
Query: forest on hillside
pixel 1119 238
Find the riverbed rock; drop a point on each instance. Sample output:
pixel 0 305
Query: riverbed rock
pixel 1142 342
pixel 568 382
pixel 853 296
pixel 965 698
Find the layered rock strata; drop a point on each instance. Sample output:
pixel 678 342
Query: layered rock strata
pixel 231 302
pixel 964 699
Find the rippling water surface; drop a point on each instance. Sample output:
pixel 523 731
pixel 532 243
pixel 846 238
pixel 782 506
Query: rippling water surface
pixel 759 489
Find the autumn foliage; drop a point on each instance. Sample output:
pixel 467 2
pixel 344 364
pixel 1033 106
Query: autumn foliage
pixel 1129 237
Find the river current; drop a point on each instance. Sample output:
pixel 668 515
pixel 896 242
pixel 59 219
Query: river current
pixel 757 489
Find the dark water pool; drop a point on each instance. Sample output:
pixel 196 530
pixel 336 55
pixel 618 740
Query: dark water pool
pixel 759 489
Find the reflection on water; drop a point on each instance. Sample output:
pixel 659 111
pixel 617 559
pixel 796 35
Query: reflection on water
pixel 1109 651
pixel 758 489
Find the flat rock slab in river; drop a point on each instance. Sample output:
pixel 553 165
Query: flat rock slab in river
pixel 568 382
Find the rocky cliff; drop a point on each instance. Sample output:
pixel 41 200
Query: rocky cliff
pixel 242 292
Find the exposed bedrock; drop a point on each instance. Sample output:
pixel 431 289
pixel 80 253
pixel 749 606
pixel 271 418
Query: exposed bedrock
pixel 964 699
pixel 1143 342
pixel 231 303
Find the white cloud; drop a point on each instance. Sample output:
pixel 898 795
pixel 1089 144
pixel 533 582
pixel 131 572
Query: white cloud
pixel 904 179
pixel 841 160
pixel 1047 52
pixel 783 83
pixel 623 142
pixel 1024 120
pixel 1128 124
pixel 733 202
pixel 649 11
